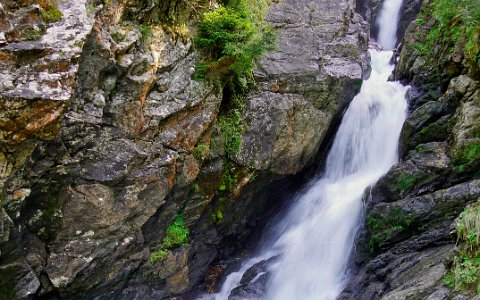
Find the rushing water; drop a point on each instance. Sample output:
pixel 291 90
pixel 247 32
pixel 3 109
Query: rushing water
pixel 316 237
pixel 388 23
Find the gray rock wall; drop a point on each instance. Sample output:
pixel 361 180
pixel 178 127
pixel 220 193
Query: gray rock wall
pixel 101 125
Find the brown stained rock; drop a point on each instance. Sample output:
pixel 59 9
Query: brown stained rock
pixel 25 119
pixel 183 131
pixel 178 282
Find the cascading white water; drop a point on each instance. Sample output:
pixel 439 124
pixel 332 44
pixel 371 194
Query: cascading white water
pixel 315 251
pixel 318 233
pixel 388 23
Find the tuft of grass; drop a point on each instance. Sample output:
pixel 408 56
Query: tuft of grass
pixel 468 227
pixel 176 235
pixel 456 22
pixel 32 34
pixel 464 274
pixel 232 128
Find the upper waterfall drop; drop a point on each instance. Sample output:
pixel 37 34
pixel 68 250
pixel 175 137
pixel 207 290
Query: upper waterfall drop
pixel 388 23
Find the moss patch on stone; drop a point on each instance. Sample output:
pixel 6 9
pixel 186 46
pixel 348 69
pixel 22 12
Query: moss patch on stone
pixel 405 183
pixel 383 227
pixel 51 15
pixel 467 157
pixel 176 235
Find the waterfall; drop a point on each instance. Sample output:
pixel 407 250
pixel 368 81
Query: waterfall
pixel 316 236
pixel 388 23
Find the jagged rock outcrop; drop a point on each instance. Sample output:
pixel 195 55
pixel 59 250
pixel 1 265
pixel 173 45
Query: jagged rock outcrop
pixel 407 245
pixel 105 138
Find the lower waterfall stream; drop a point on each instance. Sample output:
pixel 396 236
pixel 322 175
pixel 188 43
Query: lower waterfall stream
pixel 314 240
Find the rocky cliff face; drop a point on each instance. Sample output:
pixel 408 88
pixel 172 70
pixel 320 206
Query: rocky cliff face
pixel 407 245
pixel 105 139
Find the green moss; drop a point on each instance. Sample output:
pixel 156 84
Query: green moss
pixel 176 235
pixel 201 151
pixel 232 37
pixel 467 157
pixel 146 32
pixel 51 14
pixel 118 37
pixel 384 227
pixel 158 255
pixel 405 183
pixel 228 181
pixel 217 217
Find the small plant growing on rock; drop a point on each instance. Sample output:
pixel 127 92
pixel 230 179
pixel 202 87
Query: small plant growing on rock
pixel 50 13
pixel 176 235
pixel 201 151
pixel 464 274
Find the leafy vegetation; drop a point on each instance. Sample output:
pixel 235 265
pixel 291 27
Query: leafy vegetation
pixel 231 38
pixel 464 274
pixel 232 127
pixel 175 236
pixel 457 25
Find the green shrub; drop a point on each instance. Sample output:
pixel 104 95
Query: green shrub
pixel 176 235
pixel 232 37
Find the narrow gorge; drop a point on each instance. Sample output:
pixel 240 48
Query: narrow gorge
pixel 238 149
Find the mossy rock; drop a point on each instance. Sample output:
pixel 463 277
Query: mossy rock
pixel 467 157
pixel 387 227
